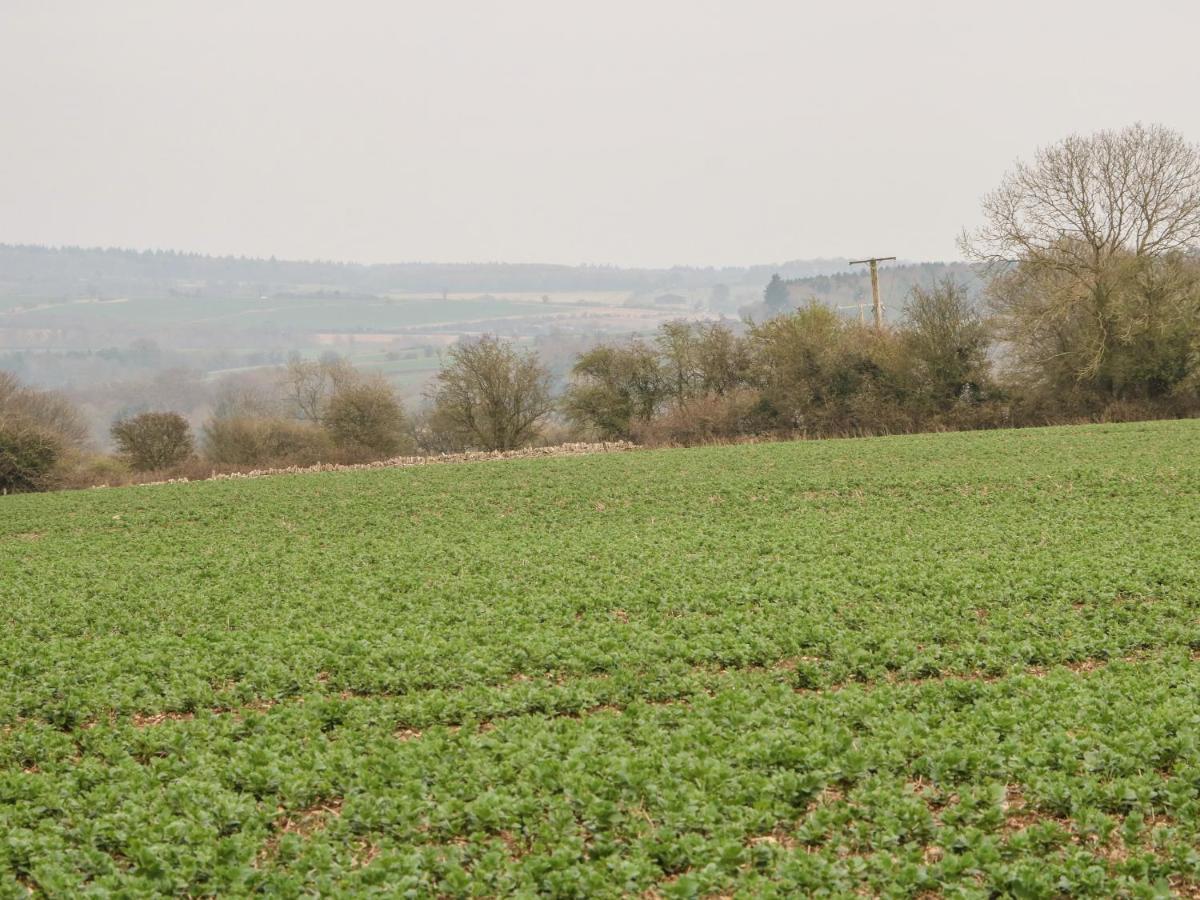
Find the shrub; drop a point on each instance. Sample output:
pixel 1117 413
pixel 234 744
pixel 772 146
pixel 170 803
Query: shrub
pixel 365 419
pixel 27 458
pixel 712 417
pixel 823 375
pixel 697 358
pixel 246 441
pixel 37 429
pixel 45 411
pixel 84 470
pixel 433 434
pixel 947 342
pixel 615 389
pixel 152 441
pixel 490 395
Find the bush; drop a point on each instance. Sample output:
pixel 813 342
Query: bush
pixel 490 395
pixel 47 412
pixel 37 429
pixel 27 459
pixel 433 434
pixel 615 389
pixel 153 441
pixel 823 375
pixel 365 419
pixel 85 470
pixel 947 342
pixel 712 417
pixel 246 441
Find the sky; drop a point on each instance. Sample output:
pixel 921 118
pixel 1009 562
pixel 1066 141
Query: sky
pixel 624 132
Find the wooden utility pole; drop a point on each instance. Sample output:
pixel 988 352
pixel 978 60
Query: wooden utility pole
pixel 874 263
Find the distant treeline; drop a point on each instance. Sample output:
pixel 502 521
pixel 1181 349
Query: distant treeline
pixel 36 271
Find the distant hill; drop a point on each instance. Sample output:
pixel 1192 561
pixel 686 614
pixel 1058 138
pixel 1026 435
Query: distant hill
pixel 66 272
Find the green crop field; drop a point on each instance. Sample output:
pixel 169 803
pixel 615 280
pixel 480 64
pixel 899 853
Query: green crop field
pixel 943 665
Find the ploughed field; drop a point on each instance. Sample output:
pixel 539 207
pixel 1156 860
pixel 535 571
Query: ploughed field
pixel 951 665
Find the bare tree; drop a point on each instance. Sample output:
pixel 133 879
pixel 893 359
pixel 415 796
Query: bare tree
pixel 248 394
pixel 491 395
pixel 309 384
pixel 1088 198
pixel 722 357
pixel 676 341
pixel 1090 247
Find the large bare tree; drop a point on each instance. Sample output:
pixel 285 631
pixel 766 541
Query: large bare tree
pixel 1088 198
pixel 1092 249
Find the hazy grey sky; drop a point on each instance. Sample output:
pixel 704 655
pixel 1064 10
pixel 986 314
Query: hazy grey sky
pixel 614 131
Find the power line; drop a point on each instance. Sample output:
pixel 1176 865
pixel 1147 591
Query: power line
pixel 860 307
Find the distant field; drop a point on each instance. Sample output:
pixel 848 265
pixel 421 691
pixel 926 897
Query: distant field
pixel 297 314
pixel 935 665
pixel 401 370
pixel 308 322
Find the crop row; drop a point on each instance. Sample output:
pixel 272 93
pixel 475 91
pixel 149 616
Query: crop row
pixel 897 786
